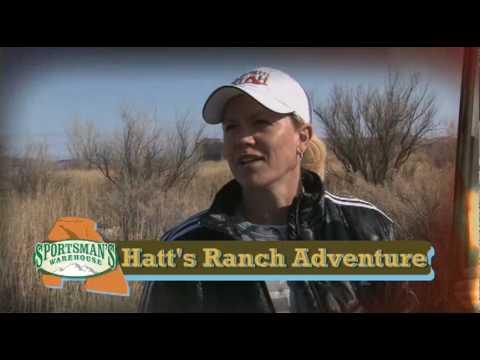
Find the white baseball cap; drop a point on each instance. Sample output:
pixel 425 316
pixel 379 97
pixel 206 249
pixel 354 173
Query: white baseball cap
pixel 272 88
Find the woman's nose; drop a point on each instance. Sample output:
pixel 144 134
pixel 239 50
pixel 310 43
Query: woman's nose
pixel 245 137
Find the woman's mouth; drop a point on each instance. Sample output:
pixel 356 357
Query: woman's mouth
pixel 249 159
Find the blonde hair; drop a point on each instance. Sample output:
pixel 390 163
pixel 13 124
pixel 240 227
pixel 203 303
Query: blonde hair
pixel 315 157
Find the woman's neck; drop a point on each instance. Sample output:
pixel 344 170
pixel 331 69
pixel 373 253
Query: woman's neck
pixel 270 205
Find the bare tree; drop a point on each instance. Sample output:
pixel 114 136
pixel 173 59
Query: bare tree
pixel 183 153
pixel 374 131
pixel 141 152
pixel 141 164
pixel 82 138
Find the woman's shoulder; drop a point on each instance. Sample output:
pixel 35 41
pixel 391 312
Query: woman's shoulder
pixel 191 224
pixel 356 205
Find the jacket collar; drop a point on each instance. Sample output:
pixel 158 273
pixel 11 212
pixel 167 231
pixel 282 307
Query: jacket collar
pixel 307 207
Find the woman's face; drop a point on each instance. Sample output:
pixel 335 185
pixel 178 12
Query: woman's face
pixel 260 145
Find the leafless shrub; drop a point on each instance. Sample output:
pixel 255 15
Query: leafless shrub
pixel 374 131
pixel 411 198
pixel 142 164
pixel 441 151
pixel 82 138
pixel 30 171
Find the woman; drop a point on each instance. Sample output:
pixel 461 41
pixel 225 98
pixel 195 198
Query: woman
pixel 277 194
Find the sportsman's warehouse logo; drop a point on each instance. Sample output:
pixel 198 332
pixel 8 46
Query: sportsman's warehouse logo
pixel 75 258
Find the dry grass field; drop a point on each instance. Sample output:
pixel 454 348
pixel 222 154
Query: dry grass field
pixel 418 199
pixel 27 218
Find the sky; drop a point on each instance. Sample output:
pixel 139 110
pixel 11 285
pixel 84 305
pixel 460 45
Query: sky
pixel 43 90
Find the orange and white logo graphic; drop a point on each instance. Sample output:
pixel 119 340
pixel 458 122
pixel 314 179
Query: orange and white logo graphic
pixel 76 251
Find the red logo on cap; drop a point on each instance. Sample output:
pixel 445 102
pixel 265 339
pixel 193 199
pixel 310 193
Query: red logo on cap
pixel 253 77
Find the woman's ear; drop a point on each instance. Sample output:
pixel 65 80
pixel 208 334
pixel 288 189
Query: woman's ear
pixel 305 134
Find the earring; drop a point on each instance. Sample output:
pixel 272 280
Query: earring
pixel 299 154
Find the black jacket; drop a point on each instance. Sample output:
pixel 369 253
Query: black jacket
pixel 314 215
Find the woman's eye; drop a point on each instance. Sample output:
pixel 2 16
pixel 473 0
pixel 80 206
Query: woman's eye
pixel 230 127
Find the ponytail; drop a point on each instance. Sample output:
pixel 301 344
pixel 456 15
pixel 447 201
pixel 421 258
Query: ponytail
pixel 315 157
